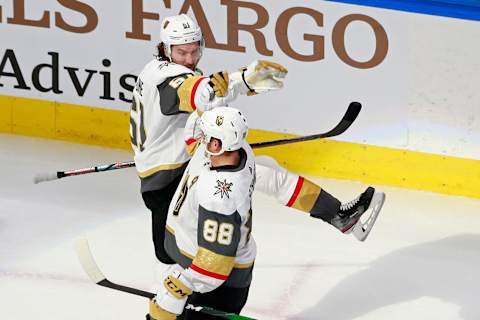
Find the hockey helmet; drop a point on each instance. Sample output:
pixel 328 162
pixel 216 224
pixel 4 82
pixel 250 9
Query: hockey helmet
pixel 225 124
pixel 180 29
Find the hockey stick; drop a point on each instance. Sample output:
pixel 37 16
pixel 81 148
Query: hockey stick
pixel 91 268
pixel 42 177
pixel 347 120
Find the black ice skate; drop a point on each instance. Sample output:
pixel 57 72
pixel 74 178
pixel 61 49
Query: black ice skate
pixel 348 217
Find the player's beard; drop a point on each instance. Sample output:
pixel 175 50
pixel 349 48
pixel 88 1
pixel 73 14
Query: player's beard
pixel 192 67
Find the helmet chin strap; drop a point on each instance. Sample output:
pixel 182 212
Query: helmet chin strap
pixel 209 153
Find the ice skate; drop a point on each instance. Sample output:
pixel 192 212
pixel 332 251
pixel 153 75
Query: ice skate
pixel 367 205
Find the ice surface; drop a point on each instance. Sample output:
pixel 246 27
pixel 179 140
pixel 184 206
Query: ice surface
pixel 421 260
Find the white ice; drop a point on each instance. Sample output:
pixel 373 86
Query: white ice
pixel 421 261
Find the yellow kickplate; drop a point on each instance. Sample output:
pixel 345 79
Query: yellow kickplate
pixel 327 158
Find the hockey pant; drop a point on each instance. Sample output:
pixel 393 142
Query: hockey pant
pixel 293 190
pixel 158 202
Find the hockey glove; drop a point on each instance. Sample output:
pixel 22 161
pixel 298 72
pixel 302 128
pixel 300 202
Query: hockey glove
pixel 219 83
pixel 172 296
pixel 157 313
pixel 262 76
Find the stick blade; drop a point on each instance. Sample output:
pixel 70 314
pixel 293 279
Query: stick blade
pixel 348 118
pixel 89 265
pixel 353 110
pixel 87 261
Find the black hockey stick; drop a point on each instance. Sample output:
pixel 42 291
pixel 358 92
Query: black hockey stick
pixel 347 120
pixel 95 274
pixel 42 177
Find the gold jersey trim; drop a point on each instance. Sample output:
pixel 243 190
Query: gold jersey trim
pixel 191 257
pixel 186 93
pixel 192 147
pixel 307 196
pixel 213 262
pixel 161 167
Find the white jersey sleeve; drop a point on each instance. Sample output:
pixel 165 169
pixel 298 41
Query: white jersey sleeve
pixel 205 98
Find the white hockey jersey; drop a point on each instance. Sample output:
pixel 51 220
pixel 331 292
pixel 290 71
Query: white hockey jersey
pixel 209 223
pixel 164 94
pixel 157 138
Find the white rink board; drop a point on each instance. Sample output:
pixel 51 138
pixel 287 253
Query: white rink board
pixel 420 97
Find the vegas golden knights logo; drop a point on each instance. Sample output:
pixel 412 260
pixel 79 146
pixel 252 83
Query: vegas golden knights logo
pixel 219 121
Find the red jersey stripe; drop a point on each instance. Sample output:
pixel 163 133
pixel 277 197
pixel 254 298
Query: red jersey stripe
pixel 194 90
pixel 190 141
pixel 208 273
pixel 298 187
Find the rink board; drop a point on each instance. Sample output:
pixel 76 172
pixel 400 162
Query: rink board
pixel 418 89
pixel 419 126
pixel 328 158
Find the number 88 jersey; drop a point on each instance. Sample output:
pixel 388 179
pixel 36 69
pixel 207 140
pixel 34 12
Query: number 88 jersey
pixel 209 222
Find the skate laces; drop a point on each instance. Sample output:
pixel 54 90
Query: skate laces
pixel 349 205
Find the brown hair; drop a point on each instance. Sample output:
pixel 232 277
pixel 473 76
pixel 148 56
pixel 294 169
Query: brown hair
pixel 161 52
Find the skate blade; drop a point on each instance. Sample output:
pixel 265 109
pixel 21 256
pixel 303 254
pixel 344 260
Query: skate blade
pixel 363 228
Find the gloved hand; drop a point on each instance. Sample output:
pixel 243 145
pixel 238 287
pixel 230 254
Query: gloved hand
pixel 157 313
pixel 219 83
pixel 171 297
pixel 262 76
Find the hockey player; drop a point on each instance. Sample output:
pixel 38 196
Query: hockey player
pixel 209 223
pixel 167 89
pixel 209 220
pixel 297 192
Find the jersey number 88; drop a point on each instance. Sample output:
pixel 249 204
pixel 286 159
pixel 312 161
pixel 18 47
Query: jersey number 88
pixel 214 232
